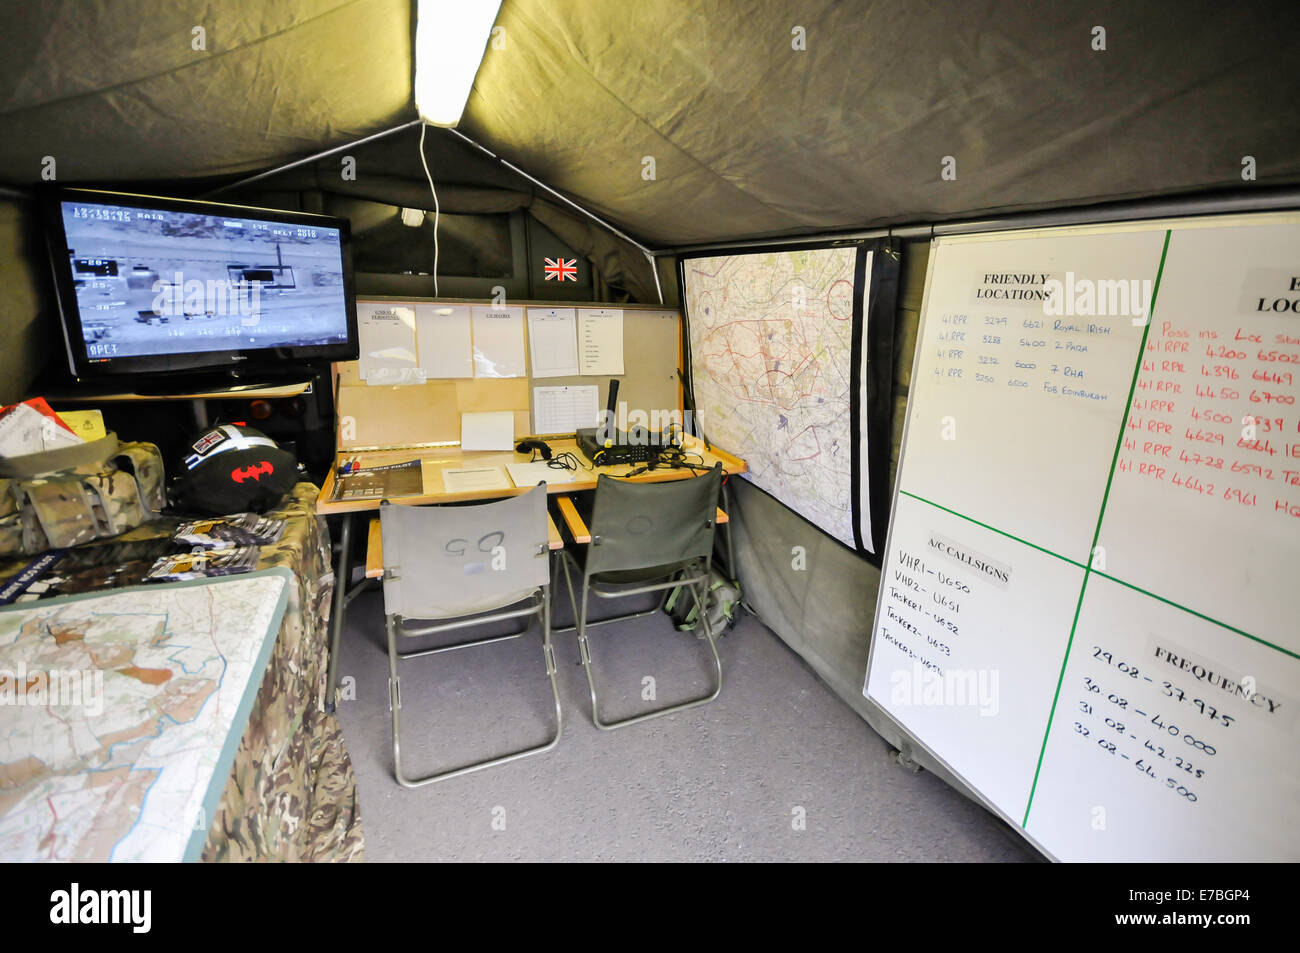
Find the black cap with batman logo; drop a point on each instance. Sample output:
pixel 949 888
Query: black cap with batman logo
pixel 233 469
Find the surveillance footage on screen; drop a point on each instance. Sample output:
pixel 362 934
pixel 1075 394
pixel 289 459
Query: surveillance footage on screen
pixel 152 281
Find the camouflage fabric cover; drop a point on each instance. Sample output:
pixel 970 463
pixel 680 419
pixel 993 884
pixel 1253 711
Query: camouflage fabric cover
pixel 11 531
pixel 292 794
pixel 72 506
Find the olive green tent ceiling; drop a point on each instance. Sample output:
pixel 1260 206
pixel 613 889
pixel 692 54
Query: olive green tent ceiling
pixel 748 135
pixel 115 91
pixel 753 137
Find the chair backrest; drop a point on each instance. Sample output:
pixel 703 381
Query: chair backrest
pixel 446 561
pixel 640 525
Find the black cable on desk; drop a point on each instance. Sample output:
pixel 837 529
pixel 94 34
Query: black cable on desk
pixel 567 460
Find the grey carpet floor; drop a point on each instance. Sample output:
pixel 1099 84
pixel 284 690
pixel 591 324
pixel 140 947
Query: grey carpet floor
pixel 777 769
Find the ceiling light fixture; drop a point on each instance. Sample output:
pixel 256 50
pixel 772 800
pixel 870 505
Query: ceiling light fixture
pixel 450 39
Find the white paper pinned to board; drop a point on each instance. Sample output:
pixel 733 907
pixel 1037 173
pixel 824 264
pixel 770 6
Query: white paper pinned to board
pixel 493 430
pixel 565 409
pixel 386 336
pixel 600 340
pixel 553 341
pixel 498 341
pixel 442 333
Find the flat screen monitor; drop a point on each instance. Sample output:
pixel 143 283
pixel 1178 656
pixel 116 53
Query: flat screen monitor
pixel 157 285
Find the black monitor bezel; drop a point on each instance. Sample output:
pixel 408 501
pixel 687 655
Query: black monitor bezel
pixel 233 359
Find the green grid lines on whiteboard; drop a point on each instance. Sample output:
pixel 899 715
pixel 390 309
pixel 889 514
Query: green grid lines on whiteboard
pixel 1089 606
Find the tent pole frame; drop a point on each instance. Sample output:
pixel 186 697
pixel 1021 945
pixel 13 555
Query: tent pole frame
pixel 649 253
pixel 563 198
pixel 1270 200
pixel 314 157
pixel 1286 198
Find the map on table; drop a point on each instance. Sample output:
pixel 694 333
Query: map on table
pixel 771 338
pixel 120 715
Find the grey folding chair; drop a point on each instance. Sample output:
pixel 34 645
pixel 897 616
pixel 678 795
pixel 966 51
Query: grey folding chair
pixel 644 537
pixel 464 566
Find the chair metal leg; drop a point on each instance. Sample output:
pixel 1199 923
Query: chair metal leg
pixel 584 650
pixel 470 643
pixel 663 601
pixel 616 618
pixel 395 703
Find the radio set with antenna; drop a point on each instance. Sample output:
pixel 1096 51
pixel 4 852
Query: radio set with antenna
pixel 607 445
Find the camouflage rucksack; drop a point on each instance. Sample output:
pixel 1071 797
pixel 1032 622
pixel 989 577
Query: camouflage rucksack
pixel 72 495
pixel 722 599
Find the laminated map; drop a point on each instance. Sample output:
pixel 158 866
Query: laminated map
pixel 120 715
pixel 771 338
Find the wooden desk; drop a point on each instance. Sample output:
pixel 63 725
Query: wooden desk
pixel 434 460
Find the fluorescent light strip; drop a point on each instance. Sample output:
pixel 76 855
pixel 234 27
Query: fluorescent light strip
pixel 450 39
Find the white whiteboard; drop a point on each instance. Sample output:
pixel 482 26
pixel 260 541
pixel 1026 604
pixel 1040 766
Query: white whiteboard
pixel 1090 608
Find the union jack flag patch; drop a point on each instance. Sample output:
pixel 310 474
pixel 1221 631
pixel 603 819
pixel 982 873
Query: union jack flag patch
pixel 557 269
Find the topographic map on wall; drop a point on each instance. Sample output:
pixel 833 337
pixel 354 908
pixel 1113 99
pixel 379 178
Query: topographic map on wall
pixel 120 714
pixel 771 336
